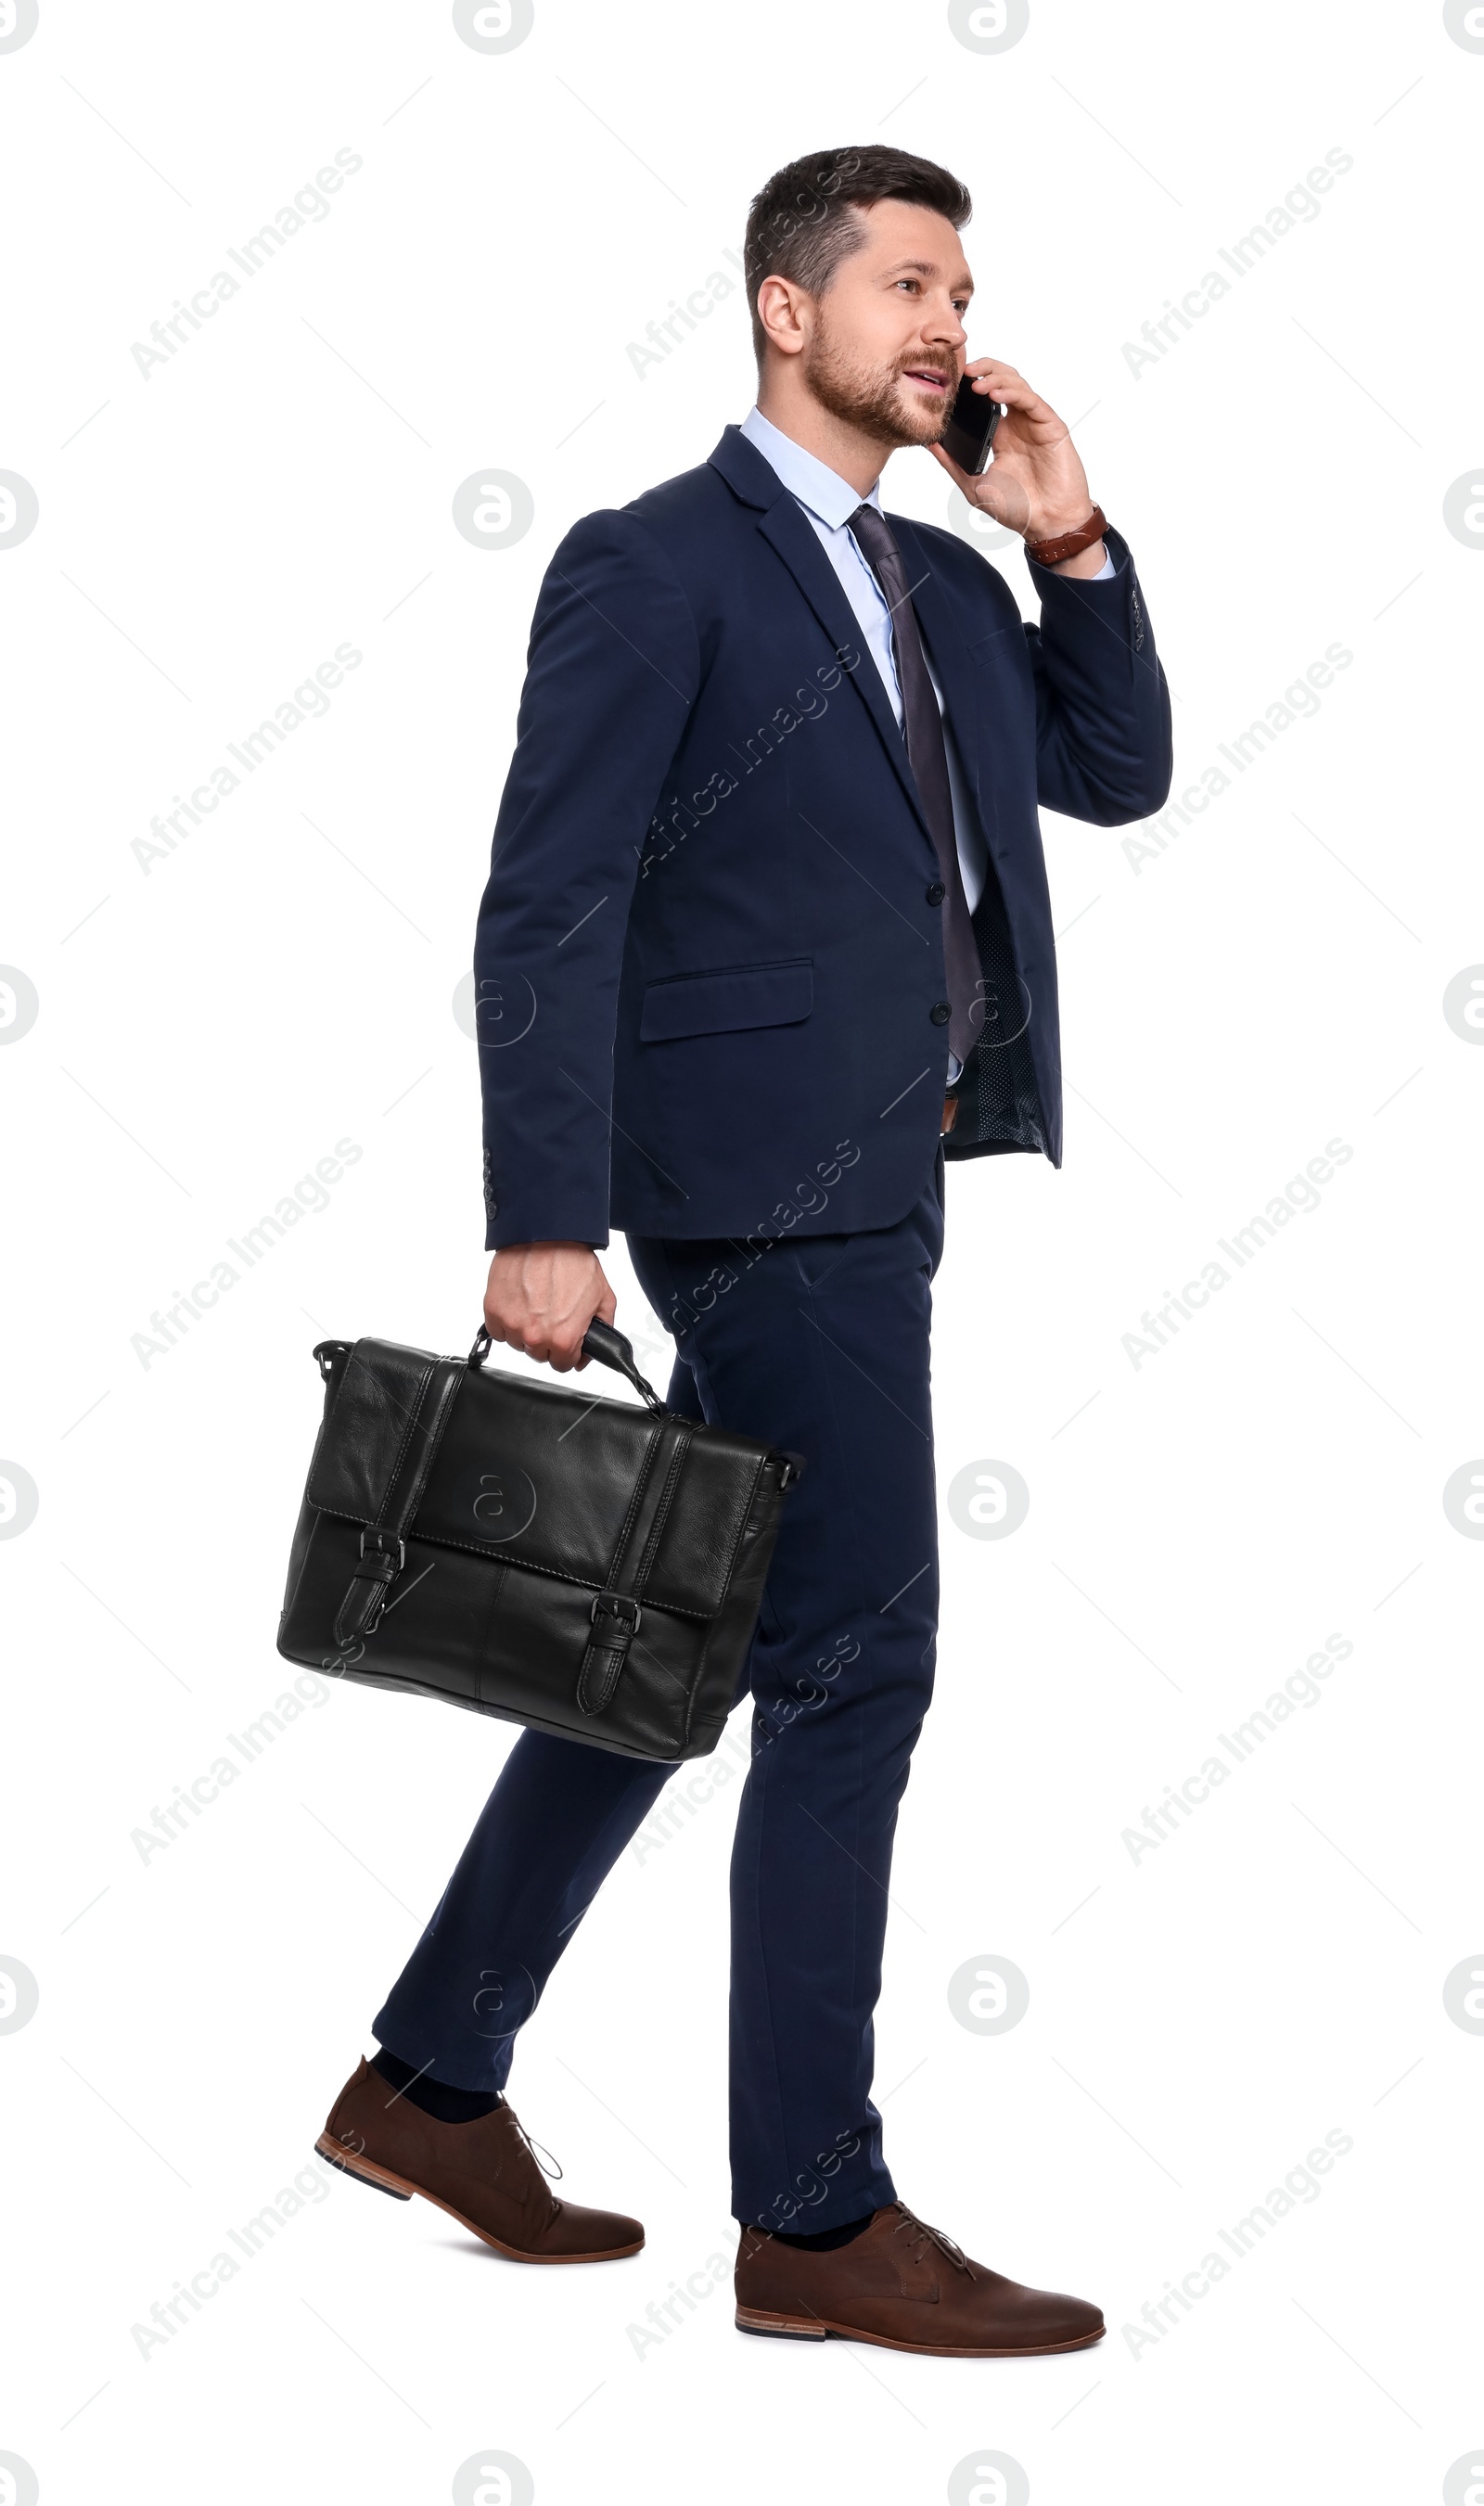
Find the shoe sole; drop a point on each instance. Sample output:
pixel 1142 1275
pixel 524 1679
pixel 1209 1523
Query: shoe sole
pixel 380 2179
pixel 794 2327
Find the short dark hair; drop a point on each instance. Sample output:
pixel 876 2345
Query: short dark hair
pixel 803 223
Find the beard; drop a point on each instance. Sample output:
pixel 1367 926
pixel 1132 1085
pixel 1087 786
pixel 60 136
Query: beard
pixel 874 397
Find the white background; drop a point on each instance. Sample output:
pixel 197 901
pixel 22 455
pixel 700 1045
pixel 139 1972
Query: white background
pixel 207 1029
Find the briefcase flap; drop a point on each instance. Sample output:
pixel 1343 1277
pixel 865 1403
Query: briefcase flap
pixel 540 1475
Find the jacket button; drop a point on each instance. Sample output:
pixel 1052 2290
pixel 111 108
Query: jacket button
pixel 940 1013
pixel 937 892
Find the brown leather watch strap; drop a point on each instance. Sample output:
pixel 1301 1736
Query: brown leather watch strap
pixel 1071 543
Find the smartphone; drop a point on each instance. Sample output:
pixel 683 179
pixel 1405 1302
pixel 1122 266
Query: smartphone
pixel 970 434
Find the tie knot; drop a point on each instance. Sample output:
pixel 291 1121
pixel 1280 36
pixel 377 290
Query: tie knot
pixel 872 529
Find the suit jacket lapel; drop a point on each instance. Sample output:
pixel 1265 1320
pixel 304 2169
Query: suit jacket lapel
pixel 975 719
pixel 792 534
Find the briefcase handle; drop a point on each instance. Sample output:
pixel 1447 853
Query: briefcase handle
pixel 602 1341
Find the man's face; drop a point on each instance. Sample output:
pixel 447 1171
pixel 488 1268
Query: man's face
pixel 886 340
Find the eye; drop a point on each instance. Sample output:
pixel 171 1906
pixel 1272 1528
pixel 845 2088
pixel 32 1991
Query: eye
pixel 907 282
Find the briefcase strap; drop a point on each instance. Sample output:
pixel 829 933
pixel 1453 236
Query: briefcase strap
pixel 616 1609
pixel 383 1546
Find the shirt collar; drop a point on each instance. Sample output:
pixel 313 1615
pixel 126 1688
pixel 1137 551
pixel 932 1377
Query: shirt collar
pixel 818 488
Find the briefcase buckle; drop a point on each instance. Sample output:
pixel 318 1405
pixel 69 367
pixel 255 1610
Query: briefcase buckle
pixel 384 1545
pixel 617 1605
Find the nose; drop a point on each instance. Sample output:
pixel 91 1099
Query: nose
pixel 944 327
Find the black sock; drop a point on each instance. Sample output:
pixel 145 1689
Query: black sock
pixel 434 2096
pixel 828 2238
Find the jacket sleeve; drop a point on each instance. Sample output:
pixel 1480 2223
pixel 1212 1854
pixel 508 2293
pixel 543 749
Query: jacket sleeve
pixel 613 667
pixel 1102 707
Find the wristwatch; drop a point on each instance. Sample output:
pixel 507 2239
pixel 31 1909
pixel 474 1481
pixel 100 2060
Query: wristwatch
pixel 1071 543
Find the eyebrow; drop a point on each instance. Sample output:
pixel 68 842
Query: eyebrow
pixel 928 269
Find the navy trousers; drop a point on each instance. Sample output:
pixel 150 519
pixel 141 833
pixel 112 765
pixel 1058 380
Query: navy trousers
pixel 820 1345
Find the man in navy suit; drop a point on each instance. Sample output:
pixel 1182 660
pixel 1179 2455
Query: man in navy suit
pixel 767 939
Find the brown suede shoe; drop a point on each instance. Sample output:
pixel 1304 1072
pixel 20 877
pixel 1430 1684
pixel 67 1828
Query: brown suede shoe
pixel 902 2285
pixel 485 2175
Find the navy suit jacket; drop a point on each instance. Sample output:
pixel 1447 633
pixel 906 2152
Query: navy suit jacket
pixel 708 958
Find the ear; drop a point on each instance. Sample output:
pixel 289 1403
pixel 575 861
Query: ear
pixel 783 309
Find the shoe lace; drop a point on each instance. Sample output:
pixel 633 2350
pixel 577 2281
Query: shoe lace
pixel 918 2234
pixel 537 2152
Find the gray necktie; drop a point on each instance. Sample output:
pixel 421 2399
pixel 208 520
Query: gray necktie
pixel 929 759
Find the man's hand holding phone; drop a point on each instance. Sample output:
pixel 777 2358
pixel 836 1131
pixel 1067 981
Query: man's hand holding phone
pixel 1036 483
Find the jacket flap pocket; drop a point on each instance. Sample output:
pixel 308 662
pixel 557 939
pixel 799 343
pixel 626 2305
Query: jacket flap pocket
pixel 734 996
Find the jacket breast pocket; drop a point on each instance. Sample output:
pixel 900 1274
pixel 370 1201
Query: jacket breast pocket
pixel 1006 644
pixel 729 998
pixel 1007 684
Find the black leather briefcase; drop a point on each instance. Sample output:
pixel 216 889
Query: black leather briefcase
pixel 581 1565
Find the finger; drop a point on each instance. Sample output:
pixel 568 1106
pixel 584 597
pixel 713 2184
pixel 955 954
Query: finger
pixel 986 372
pixel 960 478
pixel 1003 382
pixel 975 491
